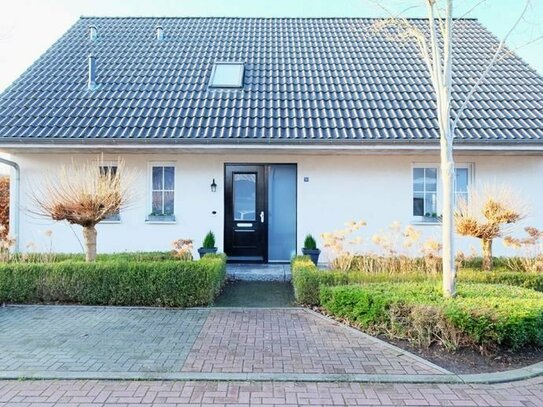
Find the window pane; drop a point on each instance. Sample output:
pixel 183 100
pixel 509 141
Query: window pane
pixel 430 178
pixel 157 178
pixel 157 203
pixel 227 75
pixel 168 203
pixel 418 205
pixel 418 179
pixel 169 178
pixel 461 179
pixel 244 196
pixel 430 207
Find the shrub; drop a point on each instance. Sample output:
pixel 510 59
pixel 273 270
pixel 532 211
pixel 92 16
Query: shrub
pixel 530 280
pixel 483 315
pixel 308 279
pixel 310 243
pixel 114 282
pixel 209 241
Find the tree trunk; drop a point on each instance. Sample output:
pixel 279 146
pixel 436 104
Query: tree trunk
pixel 89 236
pixel 441 74
pixel 487 254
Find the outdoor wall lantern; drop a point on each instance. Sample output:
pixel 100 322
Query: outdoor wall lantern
pixel 213 186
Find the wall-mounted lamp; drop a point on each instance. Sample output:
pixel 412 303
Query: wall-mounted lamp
pixel 213 186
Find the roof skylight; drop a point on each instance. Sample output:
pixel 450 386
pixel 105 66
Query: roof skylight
pixel 227 75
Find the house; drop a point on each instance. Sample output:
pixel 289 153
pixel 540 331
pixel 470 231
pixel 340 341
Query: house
pixel 264 129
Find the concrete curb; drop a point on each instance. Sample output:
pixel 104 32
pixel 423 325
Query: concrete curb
pixel 485 378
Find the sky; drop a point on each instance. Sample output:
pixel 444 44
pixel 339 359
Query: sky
pixel 29 27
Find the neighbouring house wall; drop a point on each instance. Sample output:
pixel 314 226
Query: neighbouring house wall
pixel 340 188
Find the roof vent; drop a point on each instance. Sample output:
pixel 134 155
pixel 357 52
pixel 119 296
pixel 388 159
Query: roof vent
pixel 93 33
pixel 92 72
pixel 159 33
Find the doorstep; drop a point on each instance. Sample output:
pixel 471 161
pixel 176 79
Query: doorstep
pixel 258 272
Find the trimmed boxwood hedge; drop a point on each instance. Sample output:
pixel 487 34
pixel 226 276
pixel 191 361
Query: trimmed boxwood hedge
pixel 485 315
pixel 116 280
pixel 307 279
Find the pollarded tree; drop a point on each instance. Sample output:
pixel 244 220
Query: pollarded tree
pixel 85 194
pixel 487 215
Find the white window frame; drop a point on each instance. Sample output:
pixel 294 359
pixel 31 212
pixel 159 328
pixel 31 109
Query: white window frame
pixel 239 82
pixel 112 219
pixel 439 189
pixel 167 218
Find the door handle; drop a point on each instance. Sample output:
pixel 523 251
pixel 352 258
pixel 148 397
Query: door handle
pixel 261 216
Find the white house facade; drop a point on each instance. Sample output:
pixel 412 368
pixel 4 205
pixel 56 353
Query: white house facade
pixel 225 133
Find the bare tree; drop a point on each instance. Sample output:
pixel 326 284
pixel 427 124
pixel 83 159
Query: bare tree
pixel 85 194
pixel 487 215
pixel 436 44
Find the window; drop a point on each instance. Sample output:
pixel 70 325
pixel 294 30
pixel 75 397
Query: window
pixel 110 171
pixel 425 192
pixel 227 75
pixel 426 185
pixel 461 184
pixel 162 192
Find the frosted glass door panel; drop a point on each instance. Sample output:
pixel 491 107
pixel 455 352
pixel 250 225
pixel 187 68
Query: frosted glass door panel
pixel 281 212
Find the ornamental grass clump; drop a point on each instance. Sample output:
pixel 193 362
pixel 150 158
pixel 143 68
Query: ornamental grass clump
pixel 530 249
pixel 395 250
pixel 182 249
pixel 487 215
pixel 83 194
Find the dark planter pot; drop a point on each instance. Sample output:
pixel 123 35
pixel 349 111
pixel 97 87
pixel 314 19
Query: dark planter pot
pixel 203 251
pixel 313 253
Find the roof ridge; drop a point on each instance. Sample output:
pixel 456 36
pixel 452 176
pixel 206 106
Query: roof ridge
pixel 259 18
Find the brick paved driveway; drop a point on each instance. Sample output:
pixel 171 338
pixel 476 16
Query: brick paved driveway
pixel 108 339
pixel 172 394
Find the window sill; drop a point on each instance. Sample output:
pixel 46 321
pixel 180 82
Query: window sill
pixel 112 221
pixel 166 219
pixel 160 222
pixel 426 222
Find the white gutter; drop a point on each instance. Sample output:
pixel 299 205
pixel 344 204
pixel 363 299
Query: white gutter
pixel 513 147
pixel 14 201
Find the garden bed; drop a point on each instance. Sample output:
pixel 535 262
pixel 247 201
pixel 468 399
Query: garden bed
pixel 492 320
pixel 149 279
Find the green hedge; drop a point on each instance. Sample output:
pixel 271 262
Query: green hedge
pixel 118 281
pixel 482 315
pixel 307 279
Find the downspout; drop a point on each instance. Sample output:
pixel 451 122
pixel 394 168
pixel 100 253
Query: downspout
pixel 15 200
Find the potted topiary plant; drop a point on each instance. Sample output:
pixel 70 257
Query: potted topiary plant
pixel 208 245
pixel 310 249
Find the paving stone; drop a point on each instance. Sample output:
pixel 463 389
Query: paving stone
pixel 99 339
pixel 525 394
pixel 291 341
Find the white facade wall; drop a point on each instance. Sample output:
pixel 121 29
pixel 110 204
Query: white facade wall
pixel 376 188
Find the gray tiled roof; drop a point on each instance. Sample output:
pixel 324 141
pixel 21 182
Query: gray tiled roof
pixel 319 79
